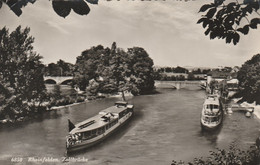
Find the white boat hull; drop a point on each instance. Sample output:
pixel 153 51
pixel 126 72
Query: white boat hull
pixel 90 142
pixel 211 125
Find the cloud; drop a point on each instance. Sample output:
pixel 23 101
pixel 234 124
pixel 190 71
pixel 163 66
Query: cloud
pixel 166 29
pixel 57 26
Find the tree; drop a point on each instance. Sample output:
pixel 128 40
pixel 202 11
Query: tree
pixel 53 70
pixel 61 7
pixel 226 21
pixel 191 76
pixel 90 65
pixel 168 69
pixel 114 70
pixel 61 68
pixel 142 70
pixel 120 69
pixel 57 92
pixel 231 156
pixel 249 80
pixel 21 72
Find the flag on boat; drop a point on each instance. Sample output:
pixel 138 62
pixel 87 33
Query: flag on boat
pixel 71 125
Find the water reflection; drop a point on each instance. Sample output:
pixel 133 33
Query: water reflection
pixel 211 136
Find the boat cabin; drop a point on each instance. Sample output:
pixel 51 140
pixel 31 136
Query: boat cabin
pixel 211 106
pixel 121 103
pixel 98 124
pixel 211 109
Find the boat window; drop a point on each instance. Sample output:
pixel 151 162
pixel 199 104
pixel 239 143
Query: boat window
pixel 94 132
pixel 214 119
pixel 101 130
pixel 86 135
pixel 211 106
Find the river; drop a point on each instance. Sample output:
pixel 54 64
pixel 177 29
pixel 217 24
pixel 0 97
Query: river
pixel 165 126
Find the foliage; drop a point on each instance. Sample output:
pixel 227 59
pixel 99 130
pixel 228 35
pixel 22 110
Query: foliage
pixel 93 88
pixel 141 66
pixel 227 21
pixel 106 70
pixel 56 92
pixel 21 73
pixel 191 76
pixel 90 65
pixel 233 156
pixel 61 68
pixel 61 7
pixel 249 80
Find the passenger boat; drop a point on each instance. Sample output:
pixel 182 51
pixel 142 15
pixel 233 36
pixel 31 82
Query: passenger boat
pixel 212 113
pixel 97 128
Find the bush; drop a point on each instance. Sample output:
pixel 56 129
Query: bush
pixel 233 156
pixel 80 99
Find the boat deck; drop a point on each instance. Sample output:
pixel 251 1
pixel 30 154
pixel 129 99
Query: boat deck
pixel 97 121
pixel 114 109
pixel 214 101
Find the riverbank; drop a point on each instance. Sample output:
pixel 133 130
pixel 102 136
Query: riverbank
pixel 65 106
pixel 245 106
pixel 64 103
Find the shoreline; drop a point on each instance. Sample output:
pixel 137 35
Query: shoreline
pixel 55 108
pixel 65 106
pixel 245 106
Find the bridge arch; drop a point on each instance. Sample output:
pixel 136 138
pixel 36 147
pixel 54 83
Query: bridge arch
pixel 50 81
pixel 58 79
pixel 177 84
pixel 66 82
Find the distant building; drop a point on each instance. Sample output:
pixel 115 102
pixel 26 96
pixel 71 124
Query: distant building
pixel 200 76
pixel 228 77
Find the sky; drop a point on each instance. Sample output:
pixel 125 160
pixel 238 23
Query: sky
pixel 167 30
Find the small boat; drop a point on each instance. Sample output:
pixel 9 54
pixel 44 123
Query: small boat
pixel 97 128
pixel 212 113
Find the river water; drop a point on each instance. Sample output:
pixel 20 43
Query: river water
pixel 165 126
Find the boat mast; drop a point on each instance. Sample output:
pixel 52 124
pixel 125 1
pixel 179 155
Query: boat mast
pixel 123 95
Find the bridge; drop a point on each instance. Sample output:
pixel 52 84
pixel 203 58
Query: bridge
pixel 175 84
pixel 59 80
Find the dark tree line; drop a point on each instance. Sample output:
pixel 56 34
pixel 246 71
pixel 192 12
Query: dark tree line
pixel 178 69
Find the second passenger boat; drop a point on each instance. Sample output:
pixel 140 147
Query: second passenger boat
pixel 212 113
